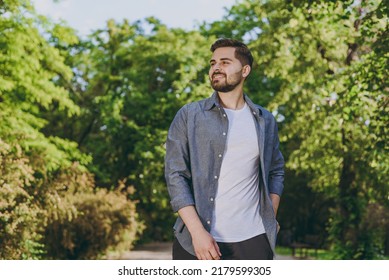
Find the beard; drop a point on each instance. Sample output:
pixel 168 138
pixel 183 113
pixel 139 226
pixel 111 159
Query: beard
pixel 228 83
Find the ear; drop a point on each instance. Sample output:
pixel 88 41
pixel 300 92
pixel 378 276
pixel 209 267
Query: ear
pixel 246 71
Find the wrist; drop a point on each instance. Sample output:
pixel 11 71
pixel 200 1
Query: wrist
pixel 197 229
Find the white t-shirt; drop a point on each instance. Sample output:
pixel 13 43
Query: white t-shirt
pixel 236 215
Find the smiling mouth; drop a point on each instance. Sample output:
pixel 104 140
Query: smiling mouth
pixel 218 76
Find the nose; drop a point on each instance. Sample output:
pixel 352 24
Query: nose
pixel 215 67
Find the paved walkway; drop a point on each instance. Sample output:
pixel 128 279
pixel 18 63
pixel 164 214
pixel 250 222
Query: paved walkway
pixel 158 251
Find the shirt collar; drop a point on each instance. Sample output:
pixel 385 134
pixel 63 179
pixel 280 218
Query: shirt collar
pixel 214 101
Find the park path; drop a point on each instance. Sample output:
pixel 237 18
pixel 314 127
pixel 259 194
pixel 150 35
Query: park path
pixel 159 251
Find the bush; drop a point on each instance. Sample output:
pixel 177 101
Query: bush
pixel 60 214
pixel 18 213
pixel 102 221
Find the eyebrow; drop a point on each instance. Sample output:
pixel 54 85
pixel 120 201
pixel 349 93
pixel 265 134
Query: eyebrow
pixel 224 58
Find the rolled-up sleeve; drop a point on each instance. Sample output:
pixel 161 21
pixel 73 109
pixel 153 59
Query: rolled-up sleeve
pixel 177 163
pixel 276 170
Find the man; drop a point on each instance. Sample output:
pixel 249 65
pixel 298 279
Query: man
pixel 223 167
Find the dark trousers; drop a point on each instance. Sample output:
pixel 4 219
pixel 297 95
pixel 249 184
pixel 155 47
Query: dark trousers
pixel 256 248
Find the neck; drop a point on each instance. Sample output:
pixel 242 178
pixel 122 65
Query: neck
pixel 233 100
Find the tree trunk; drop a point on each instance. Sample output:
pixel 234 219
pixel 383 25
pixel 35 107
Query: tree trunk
pixel 350 214
pixel 348 204
pixel 386 251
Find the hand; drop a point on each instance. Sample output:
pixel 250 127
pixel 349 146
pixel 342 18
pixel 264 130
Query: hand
pixel 205 246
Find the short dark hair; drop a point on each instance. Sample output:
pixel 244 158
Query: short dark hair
pixel 242 52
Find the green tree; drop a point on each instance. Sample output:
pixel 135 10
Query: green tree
pixel 41 174
pixel 27 66
pixel 129 84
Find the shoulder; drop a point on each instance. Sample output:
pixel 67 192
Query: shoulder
pixel 189 110
pixel 197 106
pixel 268 116
pixel 270 120
pixel 265 113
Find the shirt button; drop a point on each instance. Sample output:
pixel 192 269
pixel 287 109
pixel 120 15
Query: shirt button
pixel 208 222
pixel 224 115
pixel 224 134
pixel 254 113
pixel 211 199
pixel 215 177
pixel 220 155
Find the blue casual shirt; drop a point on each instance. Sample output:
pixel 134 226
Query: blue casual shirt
pixel 196 138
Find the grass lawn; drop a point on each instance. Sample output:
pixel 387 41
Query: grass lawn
pixel 311 254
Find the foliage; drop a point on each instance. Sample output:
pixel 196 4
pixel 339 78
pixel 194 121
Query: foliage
pixel 29 64
pixel 331 102
pixel 18 229
pixel 129 86
pixel 34 191
pixel 101 220
pixel 83 123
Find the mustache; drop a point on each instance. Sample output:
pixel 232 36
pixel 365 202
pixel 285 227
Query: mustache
pixel 218 73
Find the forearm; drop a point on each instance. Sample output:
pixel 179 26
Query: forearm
pixel 204 245
pixel 275 199
pixel 191 219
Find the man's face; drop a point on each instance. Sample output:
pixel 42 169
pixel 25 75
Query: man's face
pixel 225 72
